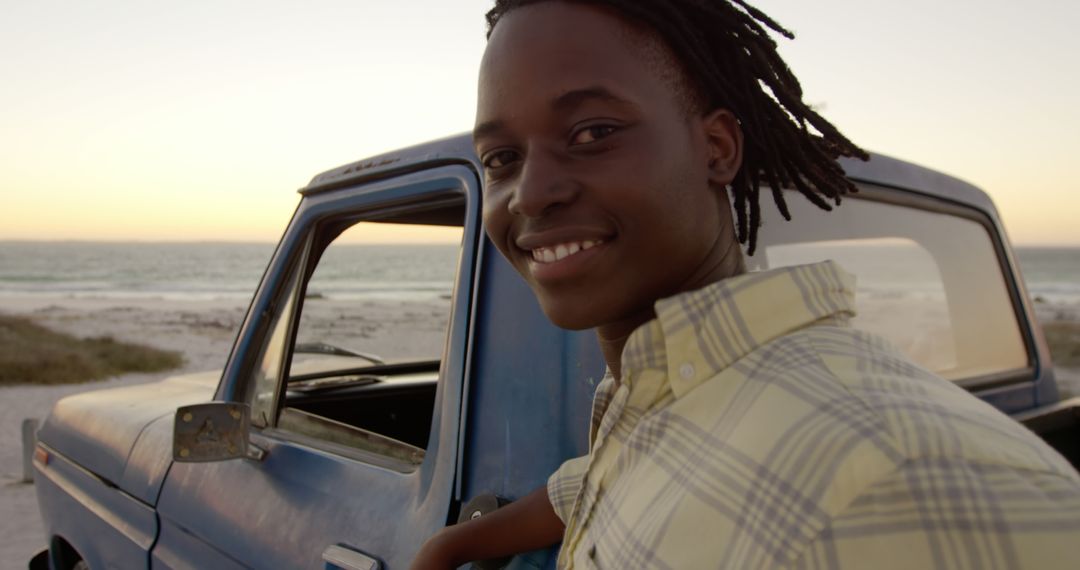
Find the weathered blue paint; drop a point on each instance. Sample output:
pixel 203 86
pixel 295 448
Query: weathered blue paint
pixel 103 443
pixel 108 527
pixel 529 391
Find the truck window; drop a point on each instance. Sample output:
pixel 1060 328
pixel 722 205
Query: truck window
pixel 364 331
pixel 929 281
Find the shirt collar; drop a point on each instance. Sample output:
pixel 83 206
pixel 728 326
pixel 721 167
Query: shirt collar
pixel 699 333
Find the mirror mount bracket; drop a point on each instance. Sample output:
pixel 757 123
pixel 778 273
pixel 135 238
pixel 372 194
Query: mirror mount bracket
pixel 215 431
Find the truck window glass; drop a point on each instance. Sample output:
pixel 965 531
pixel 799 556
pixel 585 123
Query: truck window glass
pixel 369 331
pixel 927 281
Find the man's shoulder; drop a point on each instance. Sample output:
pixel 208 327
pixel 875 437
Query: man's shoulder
pixel 918 413
pixel 831 421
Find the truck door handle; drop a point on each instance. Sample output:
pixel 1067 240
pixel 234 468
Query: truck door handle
pixel 337 556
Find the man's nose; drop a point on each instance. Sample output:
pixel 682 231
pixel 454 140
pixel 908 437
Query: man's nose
pixel 544 184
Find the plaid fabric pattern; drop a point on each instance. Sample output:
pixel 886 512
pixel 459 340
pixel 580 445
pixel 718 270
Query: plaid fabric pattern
pixel 752 428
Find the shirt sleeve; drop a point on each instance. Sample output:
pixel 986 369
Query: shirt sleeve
pixel 564 484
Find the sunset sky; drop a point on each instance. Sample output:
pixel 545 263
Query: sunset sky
pixel 128 120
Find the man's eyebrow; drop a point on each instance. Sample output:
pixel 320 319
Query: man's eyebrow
pixel 572 99
pixel 563 103
pixel 487 128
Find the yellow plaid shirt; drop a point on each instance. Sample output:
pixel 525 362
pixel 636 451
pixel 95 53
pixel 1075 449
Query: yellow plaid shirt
pixel 752 428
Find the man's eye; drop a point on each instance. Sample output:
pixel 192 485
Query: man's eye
pixel 591 134
pixel 499 159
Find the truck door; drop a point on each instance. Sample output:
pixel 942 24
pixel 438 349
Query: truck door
pixel 352 359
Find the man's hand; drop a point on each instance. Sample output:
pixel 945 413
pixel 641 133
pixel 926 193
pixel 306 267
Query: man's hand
pixel 527 524
pixel 436 554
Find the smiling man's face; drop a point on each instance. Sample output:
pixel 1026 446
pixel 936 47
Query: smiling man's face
pixel 602 187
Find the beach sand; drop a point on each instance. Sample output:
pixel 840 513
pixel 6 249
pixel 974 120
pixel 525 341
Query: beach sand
pixel 1068 378
pixel 204 332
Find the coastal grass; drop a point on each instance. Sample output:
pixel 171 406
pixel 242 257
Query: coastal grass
pixel 32 354
pixel 1064 340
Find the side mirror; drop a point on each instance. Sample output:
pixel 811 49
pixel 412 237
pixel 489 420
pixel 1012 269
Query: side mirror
pixel 215 431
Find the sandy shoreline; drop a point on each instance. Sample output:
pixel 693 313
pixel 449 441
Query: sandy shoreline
pixel 203 331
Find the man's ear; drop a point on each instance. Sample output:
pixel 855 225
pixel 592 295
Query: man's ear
pixel 724 138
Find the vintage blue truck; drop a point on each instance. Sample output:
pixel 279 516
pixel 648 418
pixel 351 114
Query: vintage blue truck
pixel 304 453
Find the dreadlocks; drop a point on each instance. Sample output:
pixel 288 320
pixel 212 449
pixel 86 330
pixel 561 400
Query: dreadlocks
pixel 731 60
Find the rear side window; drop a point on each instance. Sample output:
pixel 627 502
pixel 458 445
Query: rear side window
pixel 928 281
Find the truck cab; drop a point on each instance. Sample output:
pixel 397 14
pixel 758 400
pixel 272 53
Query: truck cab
pixel 312 449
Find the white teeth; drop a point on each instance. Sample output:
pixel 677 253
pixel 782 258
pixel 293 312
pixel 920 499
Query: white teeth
pixel 562 251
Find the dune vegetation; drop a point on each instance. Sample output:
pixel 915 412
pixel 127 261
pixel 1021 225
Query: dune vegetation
pixel 32 354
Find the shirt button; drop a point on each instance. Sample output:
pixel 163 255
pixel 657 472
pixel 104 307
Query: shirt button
pixel 686 371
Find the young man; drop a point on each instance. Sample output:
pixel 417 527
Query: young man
pixel 742 423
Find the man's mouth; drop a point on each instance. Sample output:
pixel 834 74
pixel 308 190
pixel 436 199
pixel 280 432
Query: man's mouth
pixel 562 251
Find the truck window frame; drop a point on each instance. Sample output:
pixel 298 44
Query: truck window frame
pixel 385 451
pixel 1006 267
pixel 1024 376
pixel 293 262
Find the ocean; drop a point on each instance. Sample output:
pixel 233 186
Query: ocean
pixel 206 271
pixel 178 271
pixel 1051 273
